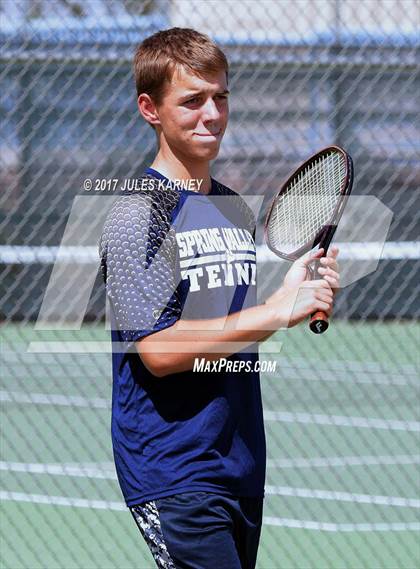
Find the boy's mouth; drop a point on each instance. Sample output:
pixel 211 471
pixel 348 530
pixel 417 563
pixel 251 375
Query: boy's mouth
pixel 209 134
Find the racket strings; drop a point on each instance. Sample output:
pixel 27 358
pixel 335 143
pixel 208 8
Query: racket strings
pixel 307 204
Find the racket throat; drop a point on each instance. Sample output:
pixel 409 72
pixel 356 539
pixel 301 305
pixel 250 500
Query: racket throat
pixel 326 237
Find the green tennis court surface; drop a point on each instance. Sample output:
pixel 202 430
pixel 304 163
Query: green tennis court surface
pixel 342 424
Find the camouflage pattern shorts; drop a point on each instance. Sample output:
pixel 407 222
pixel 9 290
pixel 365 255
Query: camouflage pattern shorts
pixel 201 530
pixel 147 519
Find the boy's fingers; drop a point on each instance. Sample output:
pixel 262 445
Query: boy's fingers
pixel 333 252
pixel 316 283
pixel 328 271
pixel 333 282
pixel 329 262
pixel 311 256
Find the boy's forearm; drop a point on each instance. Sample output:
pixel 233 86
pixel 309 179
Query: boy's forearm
pixel 211 339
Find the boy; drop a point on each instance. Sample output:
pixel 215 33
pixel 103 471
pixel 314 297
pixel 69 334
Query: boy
pixel 179 268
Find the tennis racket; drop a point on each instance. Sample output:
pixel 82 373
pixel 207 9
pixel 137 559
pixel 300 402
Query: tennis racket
pixel 307 209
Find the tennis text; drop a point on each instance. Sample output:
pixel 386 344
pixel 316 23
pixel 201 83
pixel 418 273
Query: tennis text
pixel 216 257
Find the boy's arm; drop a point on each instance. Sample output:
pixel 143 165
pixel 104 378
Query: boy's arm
pixel 175 348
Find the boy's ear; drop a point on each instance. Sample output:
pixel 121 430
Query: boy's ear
pixel 148 109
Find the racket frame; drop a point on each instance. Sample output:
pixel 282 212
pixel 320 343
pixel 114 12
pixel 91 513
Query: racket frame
pixel 326 233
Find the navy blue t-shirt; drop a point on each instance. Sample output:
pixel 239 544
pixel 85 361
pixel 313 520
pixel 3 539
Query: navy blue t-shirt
pixel 169 254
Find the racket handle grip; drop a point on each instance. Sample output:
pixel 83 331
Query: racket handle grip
pixel 318 322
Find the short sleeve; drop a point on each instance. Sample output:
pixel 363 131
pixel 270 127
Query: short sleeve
pixel 236 209
pixel 138 254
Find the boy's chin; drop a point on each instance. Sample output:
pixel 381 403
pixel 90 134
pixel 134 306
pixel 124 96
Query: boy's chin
pixel 206 153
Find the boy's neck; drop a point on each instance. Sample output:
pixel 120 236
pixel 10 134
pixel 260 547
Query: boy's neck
pixel 175 168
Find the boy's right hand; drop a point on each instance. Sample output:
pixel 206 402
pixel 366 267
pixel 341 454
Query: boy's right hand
pixel 298 303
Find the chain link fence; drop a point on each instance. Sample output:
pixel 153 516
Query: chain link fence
pixel 341 411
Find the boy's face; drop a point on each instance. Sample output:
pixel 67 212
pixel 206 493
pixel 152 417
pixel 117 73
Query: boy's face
pixel 193 114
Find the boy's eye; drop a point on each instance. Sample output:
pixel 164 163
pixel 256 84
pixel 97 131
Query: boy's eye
pixel 195 100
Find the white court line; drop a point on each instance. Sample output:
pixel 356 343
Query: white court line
pixel 276 416
pixel 267 520
pixel 61 501
pixel 89 472
pixel 342 421
pixel 369 367
pixel 342 496
pixel 54 399
pixel 333 527
pixel 342 376
pixel 288 368
pixel 85 471
pixel 332 461
pixel 107 470
pixel 349 372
